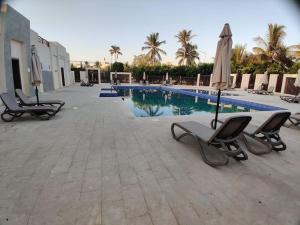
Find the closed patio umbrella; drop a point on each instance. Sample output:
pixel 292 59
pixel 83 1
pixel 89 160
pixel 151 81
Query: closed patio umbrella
pixel 221 71
pixel 144 76
pixel 167 76
pixel 36 72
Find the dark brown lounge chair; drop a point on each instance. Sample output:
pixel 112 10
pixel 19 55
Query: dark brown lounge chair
pixel 291 99
pixel 223 139
pixel 26 101
pixel 13 110
pixel 267 133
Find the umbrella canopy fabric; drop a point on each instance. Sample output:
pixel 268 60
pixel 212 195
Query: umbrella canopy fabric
pixel 297 81
pixel 167 76
pixel 144 76
pixel 264 78
pixel 36 67
pixel 222 69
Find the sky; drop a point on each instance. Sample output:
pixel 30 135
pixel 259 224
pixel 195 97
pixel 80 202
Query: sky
pixel 88 28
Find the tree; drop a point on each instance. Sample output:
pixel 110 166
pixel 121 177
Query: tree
pixel 86 63
pixel 141 60
pixel 118 66
pixel 97 64
pixel 115 50
pixel 153 45
pixel 271 49
pixel 184 37
pixel 238 54
pixel 187 55
pixel 294 52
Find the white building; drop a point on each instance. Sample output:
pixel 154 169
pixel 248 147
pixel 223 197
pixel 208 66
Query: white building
pixel 16 39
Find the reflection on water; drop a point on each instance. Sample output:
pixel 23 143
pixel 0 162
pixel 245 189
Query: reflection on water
pixel 145 103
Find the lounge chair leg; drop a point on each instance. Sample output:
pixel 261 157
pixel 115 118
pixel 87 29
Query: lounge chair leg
pixel 207 161
pixel 180 136
pixel 7 119
pixel 250 149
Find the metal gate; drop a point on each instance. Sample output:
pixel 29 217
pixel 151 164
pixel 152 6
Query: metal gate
pixel 290 88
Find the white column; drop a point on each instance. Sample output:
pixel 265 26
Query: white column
pixel 129 78
pixel 198 79
pixel 273 81
pixel 245 81
pixel 210 80
pixel 99 76
pixel 257 83
pixel 110 76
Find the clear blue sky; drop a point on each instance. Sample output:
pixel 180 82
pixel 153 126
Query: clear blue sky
pixel 88 28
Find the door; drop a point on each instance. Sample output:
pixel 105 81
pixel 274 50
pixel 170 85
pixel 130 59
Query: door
pixel 77 75
pixel 16 73
pixel 62 76
pixel 93 76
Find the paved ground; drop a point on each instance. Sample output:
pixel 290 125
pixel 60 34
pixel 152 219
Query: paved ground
pixel 96 164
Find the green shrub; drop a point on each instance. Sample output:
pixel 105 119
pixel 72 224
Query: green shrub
pixel 117 66
pixel 294 68
pixel 275 69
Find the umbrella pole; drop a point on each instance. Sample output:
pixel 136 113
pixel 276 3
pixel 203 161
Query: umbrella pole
pixel 37 95
pixel 217 109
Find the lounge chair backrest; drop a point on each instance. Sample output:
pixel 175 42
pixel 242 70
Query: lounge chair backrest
pixel 275 122
pixel 231 128
pixel 9 101
pixel 23 98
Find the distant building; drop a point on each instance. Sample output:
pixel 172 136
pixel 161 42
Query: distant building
pixel 16 39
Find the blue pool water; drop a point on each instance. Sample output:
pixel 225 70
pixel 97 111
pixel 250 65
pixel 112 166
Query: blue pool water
pixel 146 101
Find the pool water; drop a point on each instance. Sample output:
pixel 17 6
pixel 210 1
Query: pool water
pixel 164 101
pixel 149 103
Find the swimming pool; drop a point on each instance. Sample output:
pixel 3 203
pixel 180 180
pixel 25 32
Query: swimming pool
pixel 149 101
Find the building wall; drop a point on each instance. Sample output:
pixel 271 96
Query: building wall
pixel 60 59
pixel 43 51
pixel 2 67
pixel 16 30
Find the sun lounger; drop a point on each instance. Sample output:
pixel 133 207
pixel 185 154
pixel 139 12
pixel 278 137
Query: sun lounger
pixel 292 99
pixel 270 91
pixel 223 139
pixel 26 101
pixel 13 110
pixel 259 90
pixel 295 120
pixel 267 133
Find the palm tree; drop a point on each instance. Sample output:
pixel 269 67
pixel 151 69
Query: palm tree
pixel 187 55
pixel 272 48
pixel 153 45
pixel 115 50
pixel 184 37
pixel 238 54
